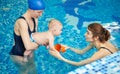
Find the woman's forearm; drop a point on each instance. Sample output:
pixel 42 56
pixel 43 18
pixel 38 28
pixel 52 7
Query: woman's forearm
pixel 32 46
pixel 70 62
pixel 78 51
pixel 81 51
pixel 83 62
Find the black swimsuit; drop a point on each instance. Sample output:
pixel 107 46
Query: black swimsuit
pixel 19 48
pixel 106 49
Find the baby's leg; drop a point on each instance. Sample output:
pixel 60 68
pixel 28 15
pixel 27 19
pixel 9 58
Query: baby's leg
pixel 26 54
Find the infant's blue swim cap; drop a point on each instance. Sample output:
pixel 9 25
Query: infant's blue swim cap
pixel 36 4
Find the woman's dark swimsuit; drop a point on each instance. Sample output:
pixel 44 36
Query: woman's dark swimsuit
pixel 19 48
pixel 106 49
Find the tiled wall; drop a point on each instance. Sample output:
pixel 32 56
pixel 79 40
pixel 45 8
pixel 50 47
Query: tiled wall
pixel 108 65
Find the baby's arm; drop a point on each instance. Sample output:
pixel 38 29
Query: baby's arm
pixel 51 44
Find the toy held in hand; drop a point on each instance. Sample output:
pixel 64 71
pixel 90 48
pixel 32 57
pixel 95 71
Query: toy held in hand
pixel 60 48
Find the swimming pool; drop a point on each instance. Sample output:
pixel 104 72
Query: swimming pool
pixel 75 16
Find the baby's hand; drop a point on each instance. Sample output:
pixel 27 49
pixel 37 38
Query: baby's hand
pixel 47 46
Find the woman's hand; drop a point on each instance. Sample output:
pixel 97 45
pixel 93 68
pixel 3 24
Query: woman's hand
pixel 66 47
pixel 55 54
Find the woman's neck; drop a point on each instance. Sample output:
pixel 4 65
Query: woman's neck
pixel 27 15
pixel 97 44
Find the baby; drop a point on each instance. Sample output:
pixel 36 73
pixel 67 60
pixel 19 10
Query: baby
pixel 46 38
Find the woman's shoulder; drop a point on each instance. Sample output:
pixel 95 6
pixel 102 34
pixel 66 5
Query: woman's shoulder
pixel 110 47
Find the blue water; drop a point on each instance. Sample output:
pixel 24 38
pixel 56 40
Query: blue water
pixel 75 16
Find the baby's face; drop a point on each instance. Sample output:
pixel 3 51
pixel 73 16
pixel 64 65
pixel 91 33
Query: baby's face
pixel 57 29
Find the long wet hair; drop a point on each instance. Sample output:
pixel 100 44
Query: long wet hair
pixel 100 32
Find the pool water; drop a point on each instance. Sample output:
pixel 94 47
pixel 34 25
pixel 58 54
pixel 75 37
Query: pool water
pixel 75 16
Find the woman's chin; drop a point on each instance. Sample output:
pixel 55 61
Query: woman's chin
pixel 88 40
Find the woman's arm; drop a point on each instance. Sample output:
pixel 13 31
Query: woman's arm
pixel 79 51
pixel 96 56
pixel 23 30
pixel 36 28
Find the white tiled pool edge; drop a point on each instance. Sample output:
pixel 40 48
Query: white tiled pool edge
pixel 108 65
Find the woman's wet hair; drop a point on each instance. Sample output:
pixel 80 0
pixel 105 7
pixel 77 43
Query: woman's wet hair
pixel 99 31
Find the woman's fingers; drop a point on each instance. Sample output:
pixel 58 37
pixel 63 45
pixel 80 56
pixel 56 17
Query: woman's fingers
pixel 66 47
pixel 54 53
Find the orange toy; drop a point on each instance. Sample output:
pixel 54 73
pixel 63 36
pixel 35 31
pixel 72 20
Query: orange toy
pixel 60 48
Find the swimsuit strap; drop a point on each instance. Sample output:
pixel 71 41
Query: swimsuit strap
pixel 34 24
pixel 28 24
pixel 106 49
